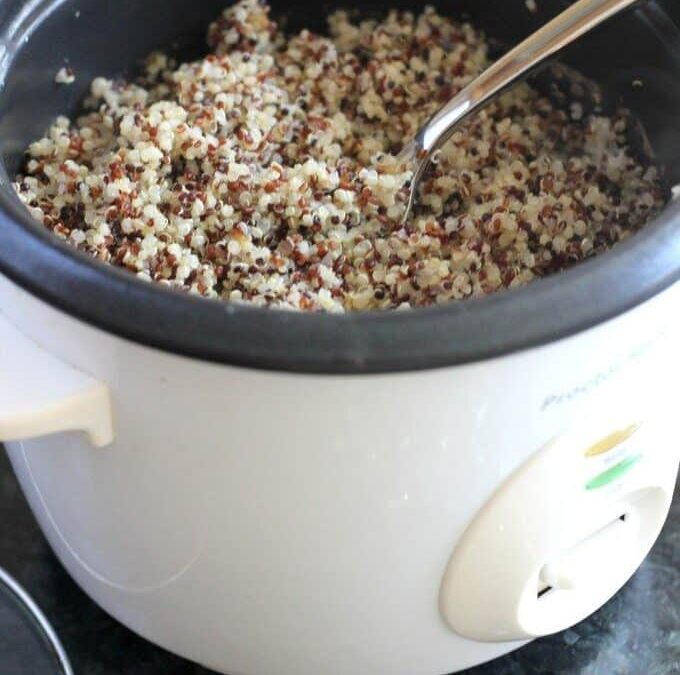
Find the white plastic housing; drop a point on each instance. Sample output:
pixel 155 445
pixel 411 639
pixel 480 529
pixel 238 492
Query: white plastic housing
pixel 566 530
pixel 263 522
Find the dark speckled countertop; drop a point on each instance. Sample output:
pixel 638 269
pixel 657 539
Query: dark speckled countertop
pixel 636 633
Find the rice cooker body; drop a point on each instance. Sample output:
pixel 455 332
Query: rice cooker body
pixel 332 513
pixel 261 522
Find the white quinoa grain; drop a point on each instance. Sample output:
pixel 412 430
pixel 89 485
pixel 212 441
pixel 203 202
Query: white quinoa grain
pixel 65 75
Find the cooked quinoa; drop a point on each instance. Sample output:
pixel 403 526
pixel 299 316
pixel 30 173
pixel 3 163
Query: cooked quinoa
pixel 65 75
pixel 267 172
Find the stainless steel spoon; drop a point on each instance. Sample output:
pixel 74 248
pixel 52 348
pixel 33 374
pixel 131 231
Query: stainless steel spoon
pixel 564 29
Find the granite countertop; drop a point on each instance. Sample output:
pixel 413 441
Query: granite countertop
pixel 636 633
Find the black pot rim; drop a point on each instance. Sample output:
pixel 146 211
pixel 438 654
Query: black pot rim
pixel 374 342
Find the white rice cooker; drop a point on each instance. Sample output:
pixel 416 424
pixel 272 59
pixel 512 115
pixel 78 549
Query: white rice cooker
pixel 267 492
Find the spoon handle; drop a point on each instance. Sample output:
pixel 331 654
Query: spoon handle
pixel 578 19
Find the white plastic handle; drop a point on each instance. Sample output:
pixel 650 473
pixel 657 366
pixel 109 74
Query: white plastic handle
pixel 41 395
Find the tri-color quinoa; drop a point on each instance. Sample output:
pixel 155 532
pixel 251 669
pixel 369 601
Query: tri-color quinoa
pixel 266 171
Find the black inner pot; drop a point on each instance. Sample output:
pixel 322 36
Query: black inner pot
pixel 110 38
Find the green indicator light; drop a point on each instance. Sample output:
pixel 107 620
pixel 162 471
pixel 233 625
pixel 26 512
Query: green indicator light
pixel 613 473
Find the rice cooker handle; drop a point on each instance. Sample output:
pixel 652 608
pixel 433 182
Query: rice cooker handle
pixel 40 395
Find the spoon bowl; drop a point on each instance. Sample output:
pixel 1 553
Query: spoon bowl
pixel 579 19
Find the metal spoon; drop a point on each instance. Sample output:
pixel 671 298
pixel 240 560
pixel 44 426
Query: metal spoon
pixel 564 29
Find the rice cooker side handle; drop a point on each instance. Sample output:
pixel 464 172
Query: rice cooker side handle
pixel 41 395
